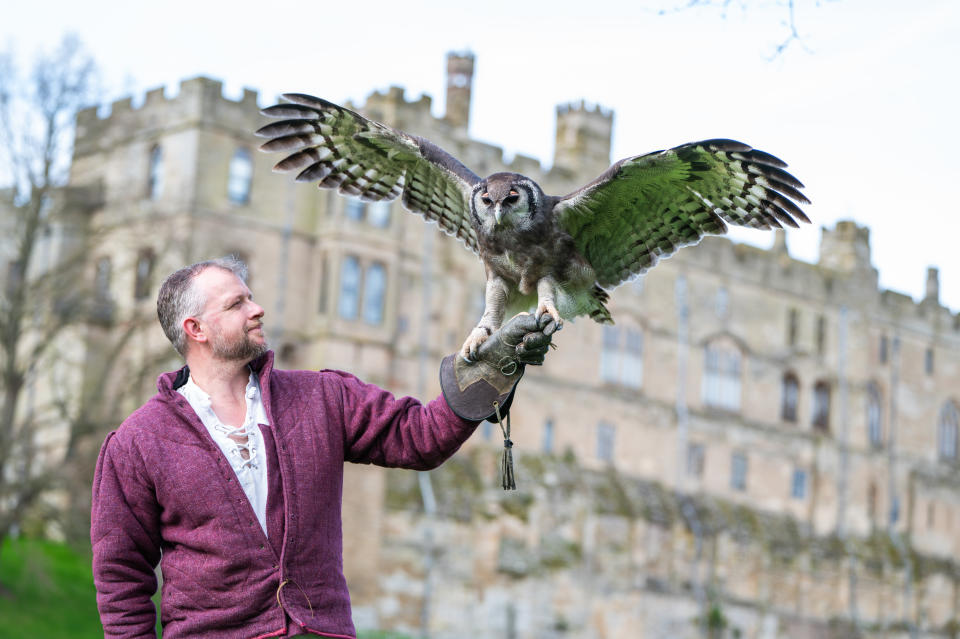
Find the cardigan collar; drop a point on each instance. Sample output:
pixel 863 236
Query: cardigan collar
pixel 170 382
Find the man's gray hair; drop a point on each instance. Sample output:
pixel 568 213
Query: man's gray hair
pixel 179 298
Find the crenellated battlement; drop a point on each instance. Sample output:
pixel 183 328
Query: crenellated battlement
pixel 843 276
pixel 199 100
pixel 585 107
pixel 583 137
pixel 392 107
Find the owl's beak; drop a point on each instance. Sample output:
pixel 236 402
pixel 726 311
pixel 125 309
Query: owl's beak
pixel 497 214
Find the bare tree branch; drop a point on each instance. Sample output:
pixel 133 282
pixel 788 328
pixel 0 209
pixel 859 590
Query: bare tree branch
pixel 788 22
pixel 39 300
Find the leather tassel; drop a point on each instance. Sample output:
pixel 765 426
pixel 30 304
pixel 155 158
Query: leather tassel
pixel 506 462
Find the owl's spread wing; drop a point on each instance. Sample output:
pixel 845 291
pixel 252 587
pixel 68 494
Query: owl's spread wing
pixel 341 149
pixel 646 207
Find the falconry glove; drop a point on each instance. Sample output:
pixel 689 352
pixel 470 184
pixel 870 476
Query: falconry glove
pixel 471 388
pixel 483 389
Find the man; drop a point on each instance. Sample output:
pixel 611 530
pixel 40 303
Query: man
pixel 231 476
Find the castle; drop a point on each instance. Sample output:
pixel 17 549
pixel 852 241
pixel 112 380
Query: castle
pixel 760 447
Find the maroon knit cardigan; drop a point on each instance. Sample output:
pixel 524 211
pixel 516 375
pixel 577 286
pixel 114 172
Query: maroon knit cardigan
pixel 164 493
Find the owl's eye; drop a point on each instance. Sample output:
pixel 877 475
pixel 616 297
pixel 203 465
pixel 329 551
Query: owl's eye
pixel 512 198
pixel 485 198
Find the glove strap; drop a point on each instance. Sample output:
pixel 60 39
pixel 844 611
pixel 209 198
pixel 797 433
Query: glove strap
pixel 506 463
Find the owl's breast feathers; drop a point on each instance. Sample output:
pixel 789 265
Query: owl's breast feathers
pixel 524 258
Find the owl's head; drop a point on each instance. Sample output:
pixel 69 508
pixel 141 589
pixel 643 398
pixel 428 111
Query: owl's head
pixel 506 201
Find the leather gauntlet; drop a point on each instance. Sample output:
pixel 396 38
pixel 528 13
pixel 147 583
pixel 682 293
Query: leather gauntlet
pixel 471 387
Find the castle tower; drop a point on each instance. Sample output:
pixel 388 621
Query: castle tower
pixel 933 285
pixel 583 138
pixel 459 85
pixel 846 247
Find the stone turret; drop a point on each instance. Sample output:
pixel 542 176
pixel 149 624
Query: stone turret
pixel 583 138
pixel 846 247
pixel 933 286
pixel 459 86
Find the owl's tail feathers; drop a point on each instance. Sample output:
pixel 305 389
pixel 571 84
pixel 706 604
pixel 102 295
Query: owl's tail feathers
pixel 599 312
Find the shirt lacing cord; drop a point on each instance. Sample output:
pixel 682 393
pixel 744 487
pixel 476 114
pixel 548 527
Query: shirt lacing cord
pixel 242 463
pixel 252 471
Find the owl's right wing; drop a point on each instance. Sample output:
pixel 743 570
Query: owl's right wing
pixel 341 149
pixel 645 207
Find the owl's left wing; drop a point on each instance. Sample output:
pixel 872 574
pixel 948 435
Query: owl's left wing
pixel 645 207
pixel 341 149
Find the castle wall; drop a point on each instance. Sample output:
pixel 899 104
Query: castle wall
pixel 631 564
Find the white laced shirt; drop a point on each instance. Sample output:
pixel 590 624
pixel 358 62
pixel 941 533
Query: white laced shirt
pixel 251 471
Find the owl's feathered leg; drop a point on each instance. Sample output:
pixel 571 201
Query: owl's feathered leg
pixel 547 300
pixel 490 321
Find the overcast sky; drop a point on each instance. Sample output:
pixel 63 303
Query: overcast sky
pixel 864 108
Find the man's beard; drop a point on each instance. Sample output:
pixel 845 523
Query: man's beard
pixel 242 348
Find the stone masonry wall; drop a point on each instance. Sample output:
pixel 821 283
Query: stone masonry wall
pixel 592 553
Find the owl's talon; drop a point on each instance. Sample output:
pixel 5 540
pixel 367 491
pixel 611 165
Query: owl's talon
pixel 550 309
pixel 471 348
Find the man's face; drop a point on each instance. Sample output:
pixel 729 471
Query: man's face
pixel 233 321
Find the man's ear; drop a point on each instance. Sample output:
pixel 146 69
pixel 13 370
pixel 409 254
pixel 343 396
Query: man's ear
pixel 193 330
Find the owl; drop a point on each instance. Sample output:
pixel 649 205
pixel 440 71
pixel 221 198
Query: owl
pixel 559 255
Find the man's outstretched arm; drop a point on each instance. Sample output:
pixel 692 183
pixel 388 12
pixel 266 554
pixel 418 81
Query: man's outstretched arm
pixel 389 431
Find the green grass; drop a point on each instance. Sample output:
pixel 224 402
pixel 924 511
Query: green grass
pixel 49 592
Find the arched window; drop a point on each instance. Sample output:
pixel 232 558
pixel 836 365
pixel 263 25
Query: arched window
pixel 738 471
pixel 874 416
pixel 798 485
pixel 821 331
pixel 101 279
pixel 374 291
pixel 355 209
pixel 546 445
pixel 606 434
pixel 141 283
pixel 155 173
pixel 821 406
pixel 621 359
pixel 789 394
pixel 350 275
pixel 378 214
pixel 102 308
pixel 947 432
pixel 241 176
pixel 793 326
pixel 721 376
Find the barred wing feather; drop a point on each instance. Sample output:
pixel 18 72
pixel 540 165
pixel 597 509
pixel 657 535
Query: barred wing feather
pixel 340 149
pixel 645 207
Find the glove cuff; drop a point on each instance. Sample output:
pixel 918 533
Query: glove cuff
pixel 470 389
